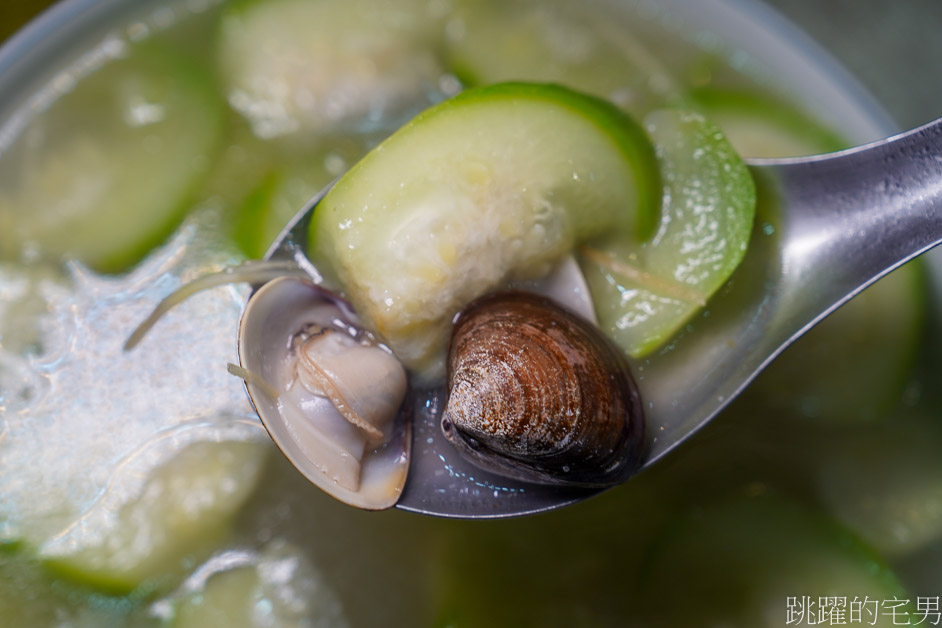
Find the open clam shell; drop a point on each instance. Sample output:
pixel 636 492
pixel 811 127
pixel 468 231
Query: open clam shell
pixel 291 328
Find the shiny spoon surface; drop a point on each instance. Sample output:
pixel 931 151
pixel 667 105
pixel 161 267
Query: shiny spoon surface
pixel 827 227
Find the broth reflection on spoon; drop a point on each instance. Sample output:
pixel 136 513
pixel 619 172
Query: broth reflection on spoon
pixel 842 221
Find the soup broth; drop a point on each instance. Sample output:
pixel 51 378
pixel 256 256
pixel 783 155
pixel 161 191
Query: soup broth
pixel 139 488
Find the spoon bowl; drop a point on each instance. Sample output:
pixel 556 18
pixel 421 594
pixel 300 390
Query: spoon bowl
pixel 827 227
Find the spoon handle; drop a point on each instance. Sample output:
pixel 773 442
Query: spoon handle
pixel 851 217
pixel 829 226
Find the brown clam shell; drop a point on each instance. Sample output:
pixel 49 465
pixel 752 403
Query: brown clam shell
pixel 539 394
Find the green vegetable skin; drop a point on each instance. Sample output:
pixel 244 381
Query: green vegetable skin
pixel 499 183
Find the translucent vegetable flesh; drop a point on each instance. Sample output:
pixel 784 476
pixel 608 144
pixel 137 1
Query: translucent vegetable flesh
pixel 495 184
pixel 644 291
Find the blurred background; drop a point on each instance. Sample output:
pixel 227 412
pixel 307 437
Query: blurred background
pixel 894 48
pixel 15 14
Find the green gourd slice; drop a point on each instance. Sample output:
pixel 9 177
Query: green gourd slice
pixel 107 172
pixel 495 184
pixel 296 68
pixel 184 510
pixel 644 291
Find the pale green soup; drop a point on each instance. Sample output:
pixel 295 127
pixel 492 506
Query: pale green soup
pixel 139 488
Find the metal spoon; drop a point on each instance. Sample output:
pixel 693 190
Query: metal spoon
pixel 827 227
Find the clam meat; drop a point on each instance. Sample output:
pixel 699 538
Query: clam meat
pixel 539 394
pixel 330 395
